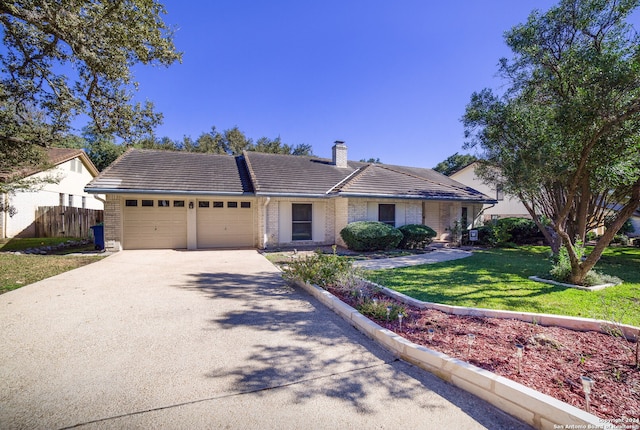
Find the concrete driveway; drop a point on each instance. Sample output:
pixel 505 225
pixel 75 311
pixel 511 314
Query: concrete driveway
pixel 204 339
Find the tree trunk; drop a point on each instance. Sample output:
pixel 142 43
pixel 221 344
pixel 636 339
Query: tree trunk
pixel 579 269
pixel 554 241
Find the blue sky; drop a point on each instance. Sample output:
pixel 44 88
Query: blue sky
pixel 391 79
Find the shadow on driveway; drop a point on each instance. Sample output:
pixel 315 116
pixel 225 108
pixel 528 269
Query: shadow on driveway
pixel 315 354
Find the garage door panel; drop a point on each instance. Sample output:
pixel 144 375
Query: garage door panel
pixel 155 227
pixel 225 226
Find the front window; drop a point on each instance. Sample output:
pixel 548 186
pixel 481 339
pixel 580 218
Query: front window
pixel 499 192
pixel 301 216
pixel 387 214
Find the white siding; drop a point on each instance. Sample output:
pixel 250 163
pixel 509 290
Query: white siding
pixel 70 182
pixel 279 214
pixel 432 217
pixel 504 208
pixel 319 221
pixel 284 222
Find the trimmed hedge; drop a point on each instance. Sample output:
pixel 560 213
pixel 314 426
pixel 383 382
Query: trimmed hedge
pixel 416 236
pixel 370 236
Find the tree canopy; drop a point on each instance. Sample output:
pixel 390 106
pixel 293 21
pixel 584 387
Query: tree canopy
pixel 454 163
pixel 565 136
pixel 231 142
pixel 68 58
pixel 103 150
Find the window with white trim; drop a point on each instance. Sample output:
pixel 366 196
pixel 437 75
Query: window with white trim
pixel 387 214
pixel 301 216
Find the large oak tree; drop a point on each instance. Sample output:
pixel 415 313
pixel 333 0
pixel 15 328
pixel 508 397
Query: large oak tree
pixel 565 136
pixel 67 58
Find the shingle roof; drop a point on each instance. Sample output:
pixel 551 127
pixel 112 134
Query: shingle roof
pixel 407 182
pixel 295 174
pixel 54 157
pixel 153 171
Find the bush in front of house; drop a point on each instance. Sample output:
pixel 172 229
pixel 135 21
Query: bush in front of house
pixel 492 235
pixel 370 236
pixel 523 231
pixel 505 231
pixel 416 236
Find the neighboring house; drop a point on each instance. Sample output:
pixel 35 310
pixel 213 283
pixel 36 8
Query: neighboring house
pixel 634 220
pixel 163 199
pixel 73 169
pixel 504 207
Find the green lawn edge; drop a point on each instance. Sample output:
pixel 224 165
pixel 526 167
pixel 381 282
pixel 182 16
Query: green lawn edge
pixel 498 279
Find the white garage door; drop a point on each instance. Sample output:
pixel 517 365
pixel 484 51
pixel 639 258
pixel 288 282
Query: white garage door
pixel 224 223
pixel 155 224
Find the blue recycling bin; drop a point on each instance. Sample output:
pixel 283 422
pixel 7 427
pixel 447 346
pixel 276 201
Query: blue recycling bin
pixel 98 236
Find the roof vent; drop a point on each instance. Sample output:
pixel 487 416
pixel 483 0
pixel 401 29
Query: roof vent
pixel 339 154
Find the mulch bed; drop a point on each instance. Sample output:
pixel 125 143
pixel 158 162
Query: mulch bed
pixel 554 358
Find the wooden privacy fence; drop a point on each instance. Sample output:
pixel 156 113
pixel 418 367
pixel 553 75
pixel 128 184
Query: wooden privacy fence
pixel 62 221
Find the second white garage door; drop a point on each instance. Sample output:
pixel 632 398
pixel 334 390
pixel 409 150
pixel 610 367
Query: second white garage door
pixel 225 223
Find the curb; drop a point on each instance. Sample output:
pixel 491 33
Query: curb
pixel 532 407
pixel 548 320
pixel 577 287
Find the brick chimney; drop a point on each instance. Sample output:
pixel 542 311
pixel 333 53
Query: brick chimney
pixel 339 154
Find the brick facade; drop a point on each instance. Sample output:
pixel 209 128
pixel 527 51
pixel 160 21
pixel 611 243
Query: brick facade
pixel 113 223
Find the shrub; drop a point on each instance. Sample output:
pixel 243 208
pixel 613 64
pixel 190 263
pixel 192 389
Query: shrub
pixel 621 239
pixel 370 236
pixel 323 270
pixel 522 230
pixel 509 231
pixel 492 235
pixel 561 269
pixel 377 309
pixel 416 236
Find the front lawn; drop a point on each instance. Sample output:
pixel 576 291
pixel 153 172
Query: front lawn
pixel 21 244
pixel 497 279
pixel 18 270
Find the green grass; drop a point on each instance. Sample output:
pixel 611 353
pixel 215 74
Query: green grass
pixel 497 279
pixel 20 244
pixel 19 270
